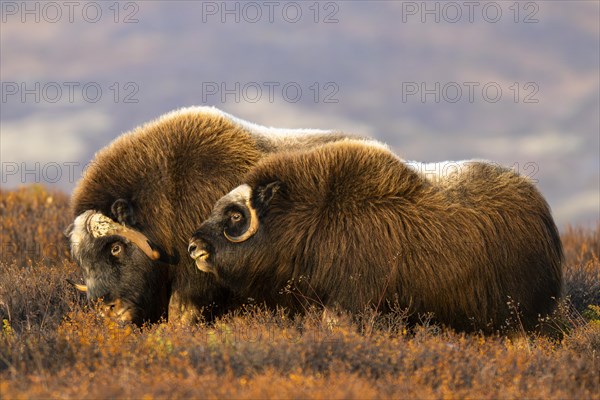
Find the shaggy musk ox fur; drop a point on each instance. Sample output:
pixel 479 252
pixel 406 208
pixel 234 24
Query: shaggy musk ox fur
pixel 352 225
pixel 143 194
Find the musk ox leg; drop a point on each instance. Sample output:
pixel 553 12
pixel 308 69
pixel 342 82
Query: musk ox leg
pixel 183 312
pixel 330 318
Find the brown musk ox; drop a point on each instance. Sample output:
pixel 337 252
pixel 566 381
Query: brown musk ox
pixel 353 226
pixel 143 194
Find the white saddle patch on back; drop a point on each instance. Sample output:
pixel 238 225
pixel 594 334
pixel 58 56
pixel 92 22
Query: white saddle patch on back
pixel 268 132
pixel 442 170
pixel 249 126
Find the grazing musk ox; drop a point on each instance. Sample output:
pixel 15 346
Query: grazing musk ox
pixel 143 194
pixel 352 225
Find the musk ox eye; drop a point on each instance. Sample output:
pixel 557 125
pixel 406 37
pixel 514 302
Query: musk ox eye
pixel 116 249
pixel 235 217
pixel 234 222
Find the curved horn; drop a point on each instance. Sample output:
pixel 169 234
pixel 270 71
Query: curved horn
pixel 141 241
pixel 251 229
pixel 101 225
pixel 81 288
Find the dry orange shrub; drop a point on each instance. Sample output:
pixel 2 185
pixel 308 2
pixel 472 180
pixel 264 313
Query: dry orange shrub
pixel 33 221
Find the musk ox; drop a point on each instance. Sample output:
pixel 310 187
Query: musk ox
pixel 143 194
pixel 352 225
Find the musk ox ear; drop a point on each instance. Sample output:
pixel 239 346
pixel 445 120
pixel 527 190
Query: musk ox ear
pixel 264 194
pixel 123 212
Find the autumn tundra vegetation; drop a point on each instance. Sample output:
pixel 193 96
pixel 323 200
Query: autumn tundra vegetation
pixel 54 343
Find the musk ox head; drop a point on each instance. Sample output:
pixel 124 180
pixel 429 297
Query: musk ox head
pixel 223 243
pixel 119 264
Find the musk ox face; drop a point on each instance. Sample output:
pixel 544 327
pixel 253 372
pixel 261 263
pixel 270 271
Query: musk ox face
pixel 223 245
pixel 119 265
